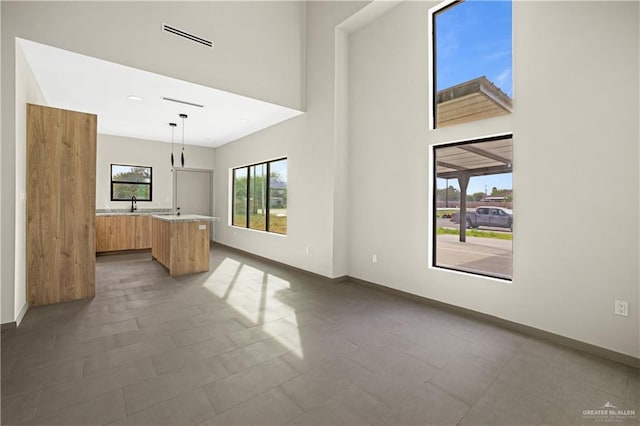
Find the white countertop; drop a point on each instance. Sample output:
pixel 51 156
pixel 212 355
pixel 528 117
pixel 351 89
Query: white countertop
pixel 128 212
pixel 185 218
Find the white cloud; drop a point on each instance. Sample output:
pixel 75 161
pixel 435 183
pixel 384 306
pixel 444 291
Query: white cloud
pixel 501 79
pixel 497 55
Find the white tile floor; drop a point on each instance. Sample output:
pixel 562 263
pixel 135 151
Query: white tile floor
pixel 254 343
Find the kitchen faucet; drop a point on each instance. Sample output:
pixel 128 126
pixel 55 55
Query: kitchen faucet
pixel 134 203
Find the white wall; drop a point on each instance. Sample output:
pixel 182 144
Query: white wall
pixel 308 141
pixel 6 312
pixel 259 51
pixel 576 96
pixel 27 91
pixel 138 152
pixel 575 125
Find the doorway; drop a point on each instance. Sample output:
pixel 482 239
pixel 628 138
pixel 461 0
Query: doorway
pixel 193 192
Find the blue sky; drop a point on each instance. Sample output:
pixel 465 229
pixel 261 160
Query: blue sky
pixel 473 38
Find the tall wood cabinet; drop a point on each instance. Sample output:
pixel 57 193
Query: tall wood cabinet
pixel 61 191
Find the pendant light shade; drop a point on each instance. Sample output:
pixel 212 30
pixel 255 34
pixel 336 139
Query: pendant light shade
pixel 173 128
pixel 182 116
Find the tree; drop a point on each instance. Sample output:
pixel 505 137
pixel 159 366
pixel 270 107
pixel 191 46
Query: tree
pixel 125 182
pixel 506 193
pixel 452 194
pixel 257 192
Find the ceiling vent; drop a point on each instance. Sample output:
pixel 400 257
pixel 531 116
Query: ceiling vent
pixel 173 30
pixel 182 102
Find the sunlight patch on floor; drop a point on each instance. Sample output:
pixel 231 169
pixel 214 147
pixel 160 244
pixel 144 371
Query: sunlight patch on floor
pixel 253 293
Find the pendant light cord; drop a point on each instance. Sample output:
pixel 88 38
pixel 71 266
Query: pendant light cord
pixel 173 128
pixel 183 116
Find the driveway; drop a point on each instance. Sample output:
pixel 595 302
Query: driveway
pixel 488 256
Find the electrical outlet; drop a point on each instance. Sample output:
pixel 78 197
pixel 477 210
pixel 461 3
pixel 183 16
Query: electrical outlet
pixel 307 250
pixel 621 307
pixel 374 258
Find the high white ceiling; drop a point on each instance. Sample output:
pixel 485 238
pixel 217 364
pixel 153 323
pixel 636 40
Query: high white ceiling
pixel 82 83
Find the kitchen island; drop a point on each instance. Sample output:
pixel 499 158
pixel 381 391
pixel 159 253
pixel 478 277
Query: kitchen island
pixel 181 242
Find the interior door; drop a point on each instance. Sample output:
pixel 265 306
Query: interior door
pixel 61 205
pixel 193 192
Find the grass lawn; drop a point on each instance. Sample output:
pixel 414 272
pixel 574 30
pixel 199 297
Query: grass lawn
pixel 277 224
pixel 476 233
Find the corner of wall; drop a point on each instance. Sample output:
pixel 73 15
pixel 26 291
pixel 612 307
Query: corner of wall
pixel 1 192
pixel 303 57
pixel 27 90
pixel 7 182
pixel 21 312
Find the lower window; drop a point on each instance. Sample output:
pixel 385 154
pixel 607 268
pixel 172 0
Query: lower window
pixel 260 196
pixel 472 205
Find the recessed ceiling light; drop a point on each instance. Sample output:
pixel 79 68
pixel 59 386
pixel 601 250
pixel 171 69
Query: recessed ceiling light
pixel 134 98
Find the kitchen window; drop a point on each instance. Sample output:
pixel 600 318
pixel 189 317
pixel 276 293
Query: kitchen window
pixel 129 181
pixel 260 196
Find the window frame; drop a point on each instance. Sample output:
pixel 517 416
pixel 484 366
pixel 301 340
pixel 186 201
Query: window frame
pixel 247 201
pixel 432 56
pixel 433 70
pixel 149 184
pixel 434 201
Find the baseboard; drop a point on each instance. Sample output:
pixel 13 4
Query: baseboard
pixel 21 313
pixel 16 323
pixel 282 265
pixel 520 328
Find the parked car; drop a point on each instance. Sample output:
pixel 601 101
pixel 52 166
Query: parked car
pixel 497 217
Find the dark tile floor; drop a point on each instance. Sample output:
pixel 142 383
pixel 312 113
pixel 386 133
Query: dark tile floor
pixel 253 343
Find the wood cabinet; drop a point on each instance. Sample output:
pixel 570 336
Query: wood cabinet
pixel 103 232
pixel 61 182
pixel 143 232
pixel 182 245
pixel 123 232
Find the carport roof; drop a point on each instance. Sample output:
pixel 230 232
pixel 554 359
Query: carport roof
pixel 490 157
pixel 469 101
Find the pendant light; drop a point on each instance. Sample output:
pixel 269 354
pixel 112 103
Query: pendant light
pixel 173 128
pixel 183 116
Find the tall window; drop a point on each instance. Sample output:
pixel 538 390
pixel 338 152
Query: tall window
pixel 130 181
pixel 240 192
pixel 472 71
pixel 260 196
pixel 472 204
